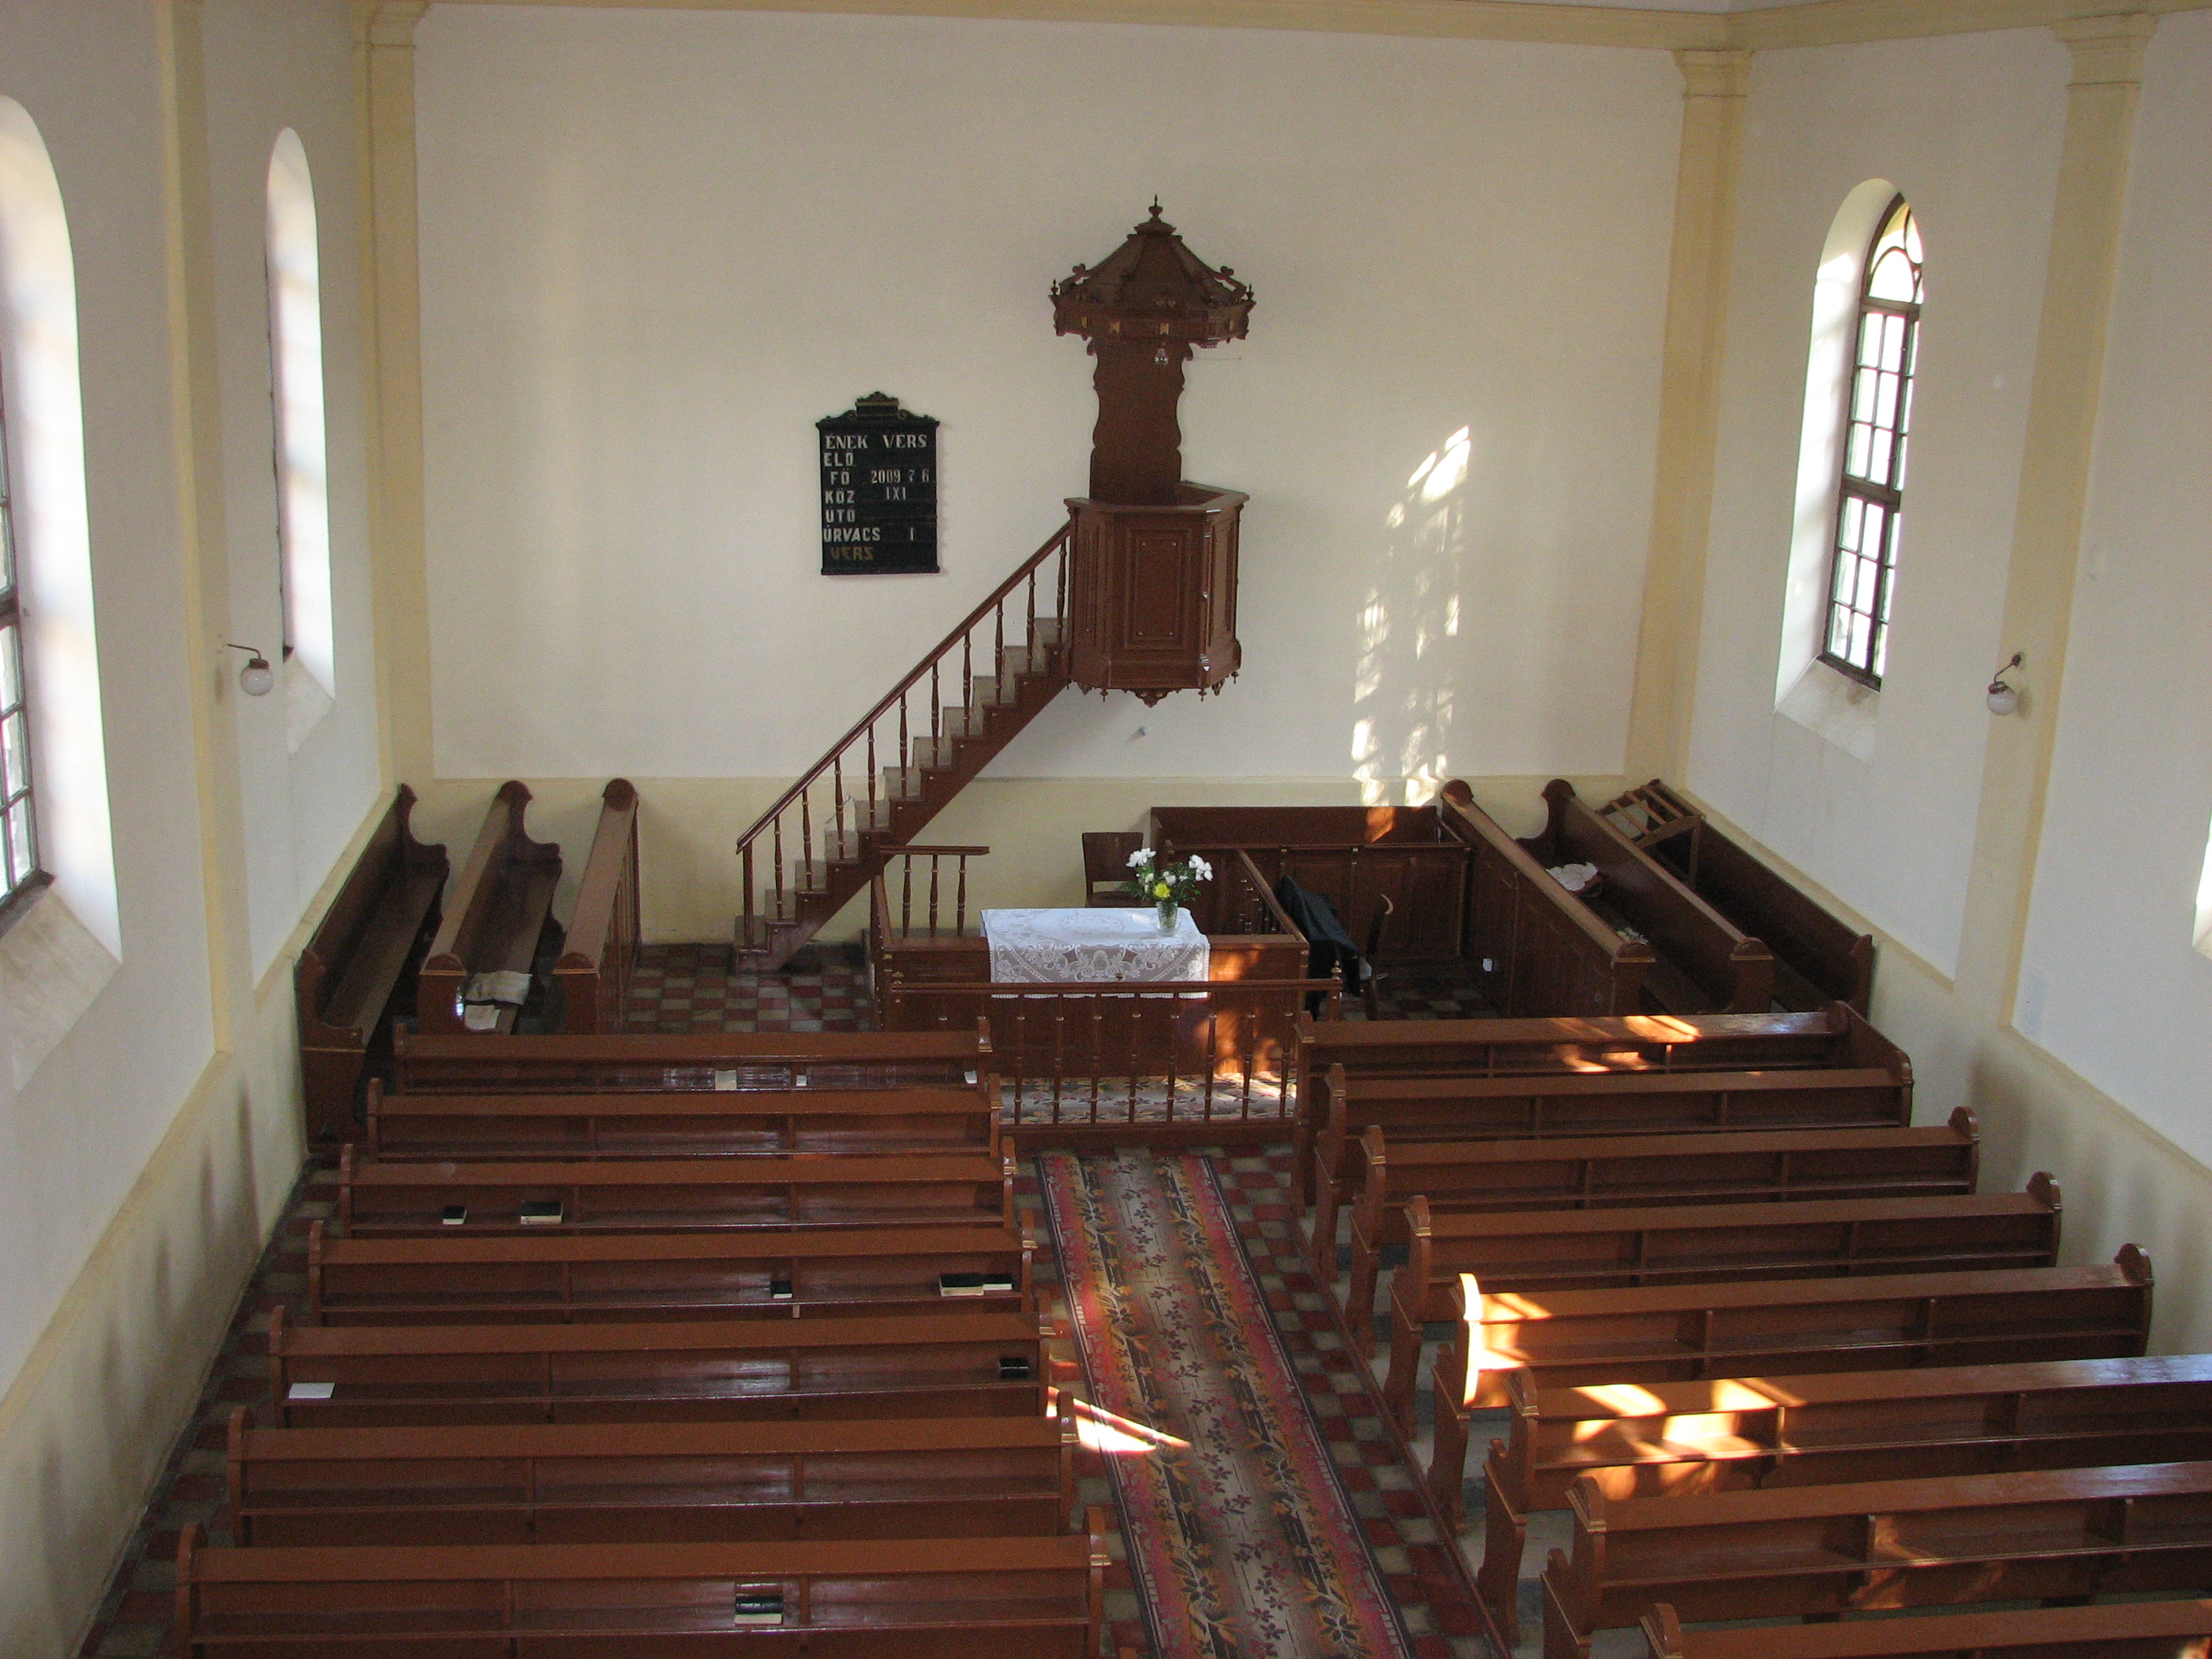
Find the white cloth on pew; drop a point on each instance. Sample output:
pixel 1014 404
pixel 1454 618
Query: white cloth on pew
pixel 1031 947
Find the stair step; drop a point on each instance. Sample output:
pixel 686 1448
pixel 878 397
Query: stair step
pixel 989 691
pixel 903 782
pixel 934 752
pixel 970 722
pixel 1047 631
pixel 812 876
pixel 850 847
pixel 1017 659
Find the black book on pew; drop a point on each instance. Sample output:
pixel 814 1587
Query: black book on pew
pixel 960 1283
pixel 542 1211
pixel 779 1289
pixel 455 1215
pixel 760 1607
pixel 1013 1368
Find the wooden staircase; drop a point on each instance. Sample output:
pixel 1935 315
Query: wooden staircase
pixel 894 770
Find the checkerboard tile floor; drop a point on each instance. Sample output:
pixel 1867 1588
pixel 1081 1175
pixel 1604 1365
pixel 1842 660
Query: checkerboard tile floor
pixel 693 987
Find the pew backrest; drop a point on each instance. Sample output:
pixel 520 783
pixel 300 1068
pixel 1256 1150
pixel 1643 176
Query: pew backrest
pixel 500 901
pixel 2125 1630
pixel 710 1061
pixel 600 953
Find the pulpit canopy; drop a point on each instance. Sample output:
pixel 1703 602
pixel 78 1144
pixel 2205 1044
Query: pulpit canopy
pixel 1152 288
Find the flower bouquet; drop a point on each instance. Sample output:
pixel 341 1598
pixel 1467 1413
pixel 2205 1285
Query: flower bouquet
pixel 1167 885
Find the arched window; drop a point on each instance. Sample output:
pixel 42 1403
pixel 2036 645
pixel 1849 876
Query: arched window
pixel 1879 414
pixel 19 831
pixel 295 352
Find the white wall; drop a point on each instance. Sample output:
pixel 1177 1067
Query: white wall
pixel 2110 983
pixel 1968 128
pixel 658 246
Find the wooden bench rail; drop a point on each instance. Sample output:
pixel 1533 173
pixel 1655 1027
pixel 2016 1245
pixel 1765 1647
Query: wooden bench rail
pixel 1673 1439
pixel 2126 1629
pixel 1001 1598
pixel 1834 1037
pixel 664 1123
pixel 357 967
pixel 672 1195
pixel 1623 1170
pixel 1533 1253
pixel 675 1482
pixel 1819 1551
pixel 1590 1104
pixel 1533 947
pixel 530 1279
pixel 435 1063
pixel 988 1365
pixel 600 953
pixel 1704 961
pixel 500 901
pixel 1784 1328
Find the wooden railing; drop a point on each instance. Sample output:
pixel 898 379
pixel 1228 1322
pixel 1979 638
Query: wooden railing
pixel 945 677
pixel 945 898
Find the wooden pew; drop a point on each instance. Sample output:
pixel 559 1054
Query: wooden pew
pixel 1819 1551
pixel 358 968
pixel 667 1123
pixel 666 1276
pixel 1618 1171
pixel 1703 963
pixel 1788 1327
pixel 1584 1103
pixel 1834 1038
pixel 500 906
pixel 1536 1253
pixel 811 1189
pixel 985 1364
pixel 1818 958
pixel 2125 1630
pixel 600 952
pixel 719 1061
pixel 1001 1598
pixel 1531 947
pixel 661 1482
pixel 1736 1434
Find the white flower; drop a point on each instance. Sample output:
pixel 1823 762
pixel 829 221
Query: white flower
pixel 1141 859
pixel 1199 869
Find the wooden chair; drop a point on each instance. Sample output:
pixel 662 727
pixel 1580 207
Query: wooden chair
pixel 1783 1327
pixel 919 1272
pixel 1106 863
pixel 358 968
pixel 996 1598
pixel 2127 1629
pixel 673 1195
pixel 666 1123
pixel 987 1365
pixel 1675 1439
pixel 1819 1552
pixel 1625 1171
pixel 602 1483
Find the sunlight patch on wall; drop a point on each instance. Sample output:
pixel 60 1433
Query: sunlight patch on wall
pixel 2205 902
pixel 1402 681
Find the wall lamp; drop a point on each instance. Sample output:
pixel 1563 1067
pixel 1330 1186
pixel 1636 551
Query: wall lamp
pixel 2005 697
pixel 256 677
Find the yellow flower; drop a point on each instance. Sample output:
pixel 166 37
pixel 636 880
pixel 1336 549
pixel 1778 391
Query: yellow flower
pixel 1160 889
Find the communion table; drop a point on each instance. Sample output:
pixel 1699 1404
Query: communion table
pixel 1063 946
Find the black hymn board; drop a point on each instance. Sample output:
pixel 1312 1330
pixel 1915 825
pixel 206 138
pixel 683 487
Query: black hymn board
pixel 879 490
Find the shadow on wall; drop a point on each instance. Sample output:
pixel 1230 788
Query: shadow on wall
pixel 1404 677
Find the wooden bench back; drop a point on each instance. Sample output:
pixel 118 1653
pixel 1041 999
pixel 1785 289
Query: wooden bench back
pixel 671 1124
pixel 723 1370
pixel 1821 1551
pixel 694 1060
pixel 1731 972
pixel 679 1482
pixel 663 1194
pixel 2126 1629
pixel 1003 1598
pixel 600 952
pixel 530 1278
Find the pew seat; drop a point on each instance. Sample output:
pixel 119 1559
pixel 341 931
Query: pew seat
pixel 1819 1552
pixel 400 1199
pixel 2123 1630
pixel 1674 1439
pixel 668 1276
pixel 1624 1172
pixel 433 1063
pixel 502 900
pixel 664 1123
pixel 1786 1327
pixel 662 1482
pixel 1000 1598
pixel 983 1364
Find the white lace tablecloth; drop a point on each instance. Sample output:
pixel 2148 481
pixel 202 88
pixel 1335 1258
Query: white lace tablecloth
pixel 1043 946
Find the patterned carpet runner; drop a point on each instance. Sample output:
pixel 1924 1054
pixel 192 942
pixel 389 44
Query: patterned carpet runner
pixel 1240 1535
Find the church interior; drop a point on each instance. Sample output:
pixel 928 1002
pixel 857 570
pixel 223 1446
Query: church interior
pixel 1105 827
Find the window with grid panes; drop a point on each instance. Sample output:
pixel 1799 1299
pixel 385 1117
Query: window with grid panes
pixel 1863 579
pixel 18 842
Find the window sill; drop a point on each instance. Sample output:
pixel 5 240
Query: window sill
pixel 52 971
pixel 1834 708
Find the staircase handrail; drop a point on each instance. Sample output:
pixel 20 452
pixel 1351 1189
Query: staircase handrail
pixel 859 727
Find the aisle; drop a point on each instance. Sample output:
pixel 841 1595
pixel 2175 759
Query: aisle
pixel 1266 1508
